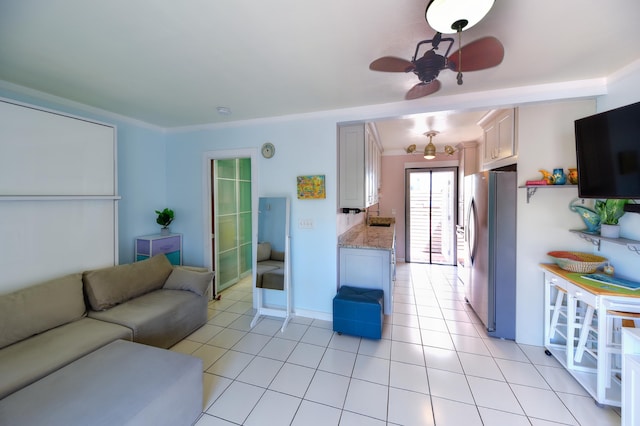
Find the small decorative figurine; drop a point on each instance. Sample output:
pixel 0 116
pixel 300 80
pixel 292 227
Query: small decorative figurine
pixel 608 269
pixel 559 178
pixel 547 176
pixel 590 218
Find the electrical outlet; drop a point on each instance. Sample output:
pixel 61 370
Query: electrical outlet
pixel 305 223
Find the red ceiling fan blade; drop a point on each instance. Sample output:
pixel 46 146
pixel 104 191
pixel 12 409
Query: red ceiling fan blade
pixel 391 64
pixel 421 89
pixel 478 55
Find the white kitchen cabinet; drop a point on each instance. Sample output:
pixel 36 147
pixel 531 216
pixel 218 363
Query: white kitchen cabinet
pixel 372 166
pixel 359 166
pixel 369 268
pixel 499 147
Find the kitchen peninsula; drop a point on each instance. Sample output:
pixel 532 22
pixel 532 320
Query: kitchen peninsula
pixel 367 257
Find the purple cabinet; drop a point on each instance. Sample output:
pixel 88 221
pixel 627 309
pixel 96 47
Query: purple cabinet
pixel 150 245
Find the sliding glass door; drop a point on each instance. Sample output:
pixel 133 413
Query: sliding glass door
pixel 231 238
pixel 430 203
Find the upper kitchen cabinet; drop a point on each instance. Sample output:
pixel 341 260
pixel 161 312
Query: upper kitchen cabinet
pixel 359 164
pixel 499 147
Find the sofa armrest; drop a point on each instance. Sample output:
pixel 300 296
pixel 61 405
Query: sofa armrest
pixel 195 280
pixel 277 255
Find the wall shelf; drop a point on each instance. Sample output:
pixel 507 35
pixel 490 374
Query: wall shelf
pixel 531 189
pixel 596 239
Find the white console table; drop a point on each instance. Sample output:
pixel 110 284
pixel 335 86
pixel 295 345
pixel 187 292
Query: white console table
pixel 594 362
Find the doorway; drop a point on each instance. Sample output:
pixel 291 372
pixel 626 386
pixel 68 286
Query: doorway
pixel 430 209
pixel 230 205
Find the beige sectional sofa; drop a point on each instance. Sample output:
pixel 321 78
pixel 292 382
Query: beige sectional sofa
pixel 47 326
pixel 269 267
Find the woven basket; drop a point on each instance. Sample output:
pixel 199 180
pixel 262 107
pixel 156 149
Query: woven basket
pixel 575 261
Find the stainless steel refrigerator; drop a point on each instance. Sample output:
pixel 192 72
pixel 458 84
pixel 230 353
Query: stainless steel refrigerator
pixel 490 236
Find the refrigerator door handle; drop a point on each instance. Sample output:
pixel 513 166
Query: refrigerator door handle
pixel 471 229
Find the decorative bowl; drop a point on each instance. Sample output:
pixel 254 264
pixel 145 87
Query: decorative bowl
pixel 575 261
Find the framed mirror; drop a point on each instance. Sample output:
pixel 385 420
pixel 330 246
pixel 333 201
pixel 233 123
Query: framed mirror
pixel 272 261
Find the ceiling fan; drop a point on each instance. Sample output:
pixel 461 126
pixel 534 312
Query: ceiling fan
pixel 478 55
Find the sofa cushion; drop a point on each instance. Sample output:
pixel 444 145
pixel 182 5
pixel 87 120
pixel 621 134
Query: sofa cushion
pixel 122 383
pixel 188 279
pixel 161 318
pixel 39 308
pixel 108 287
pixel 29 360
pixel 261 268
pixel 277 255
pixel 273 280
pixel 269 265
pixel 264 252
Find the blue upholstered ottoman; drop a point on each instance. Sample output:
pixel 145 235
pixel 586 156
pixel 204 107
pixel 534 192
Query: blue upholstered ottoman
pixel 358 311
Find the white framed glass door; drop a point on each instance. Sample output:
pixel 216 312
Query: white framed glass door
pixel 232 219
pixel 430 206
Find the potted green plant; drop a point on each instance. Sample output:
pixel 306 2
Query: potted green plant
pixel 164 219
pixel 610 211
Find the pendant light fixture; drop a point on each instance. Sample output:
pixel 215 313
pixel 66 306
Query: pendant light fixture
pixel 430 149
pixel 450 16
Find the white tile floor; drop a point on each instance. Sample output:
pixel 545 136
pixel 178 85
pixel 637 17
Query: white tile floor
pixel 433 366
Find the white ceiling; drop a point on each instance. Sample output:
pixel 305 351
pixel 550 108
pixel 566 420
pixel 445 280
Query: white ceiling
pixel 171 63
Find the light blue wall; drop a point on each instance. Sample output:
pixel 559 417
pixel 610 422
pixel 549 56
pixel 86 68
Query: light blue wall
pixel 142 184
pixel 272 222
pixel 303 147
pixel 141 168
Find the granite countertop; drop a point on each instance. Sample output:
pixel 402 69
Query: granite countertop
pixel 368 237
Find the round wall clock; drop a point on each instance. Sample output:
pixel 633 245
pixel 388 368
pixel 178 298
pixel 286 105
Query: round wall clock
pixel 268 150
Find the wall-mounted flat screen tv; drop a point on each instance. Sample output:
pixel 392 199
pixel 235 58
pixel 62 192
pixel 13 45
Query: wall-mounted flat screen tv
pixel 608 153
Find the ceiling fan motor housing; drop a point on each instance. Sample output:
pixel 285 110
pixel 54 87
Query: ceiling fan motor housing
pixel 428 66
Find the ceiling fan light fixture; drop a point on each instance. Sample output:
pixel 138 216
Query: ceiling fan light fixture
pixel 450 16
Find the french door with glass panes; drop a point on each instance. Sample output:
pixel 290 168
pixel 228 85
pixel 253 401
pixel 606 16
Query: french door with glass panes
pixel 430 209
